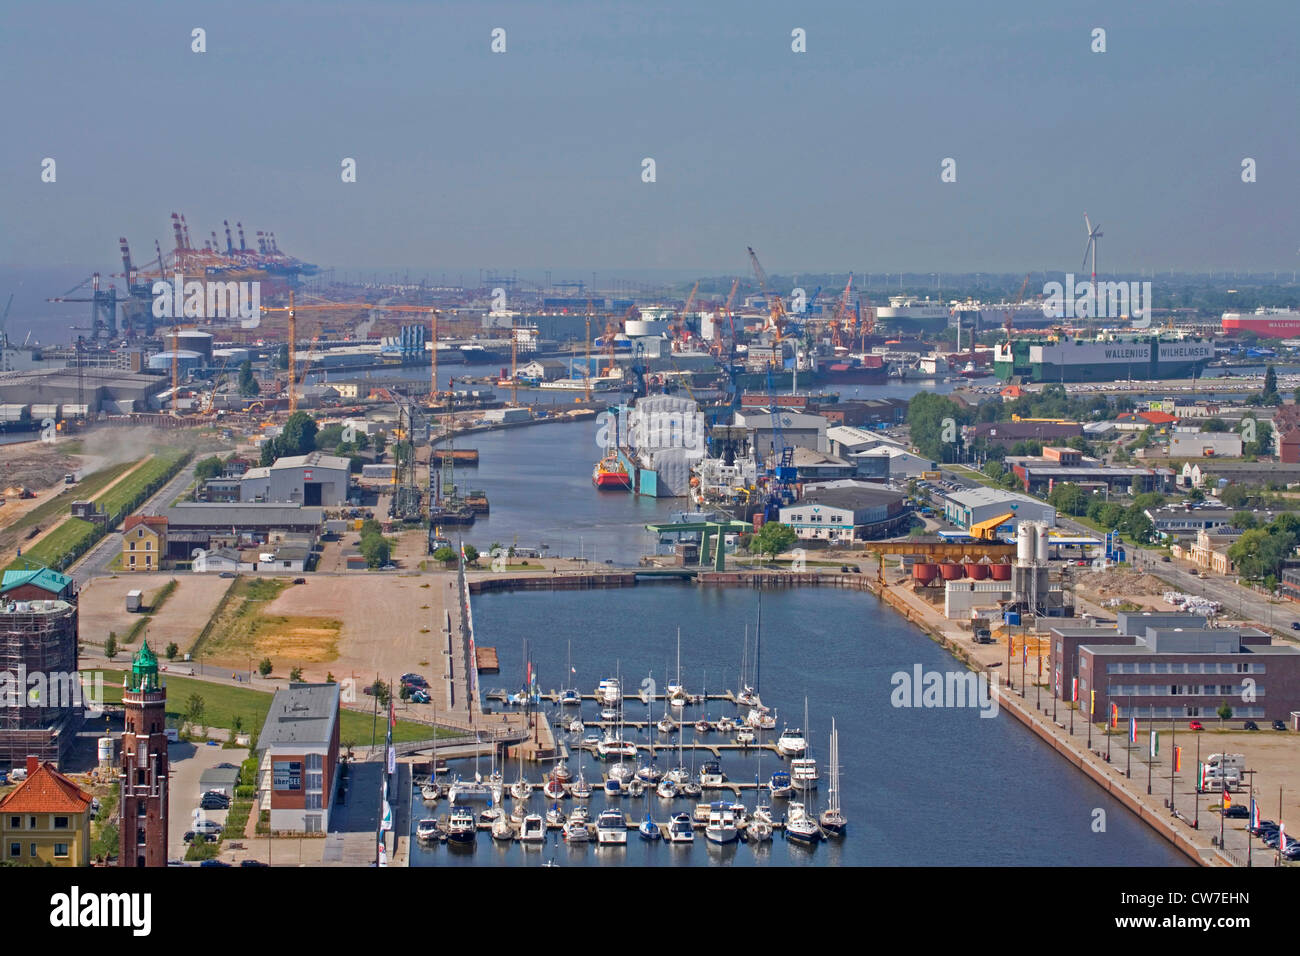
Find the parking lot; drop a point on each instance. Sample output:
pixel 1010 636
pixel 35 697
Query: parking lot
pixel 187 763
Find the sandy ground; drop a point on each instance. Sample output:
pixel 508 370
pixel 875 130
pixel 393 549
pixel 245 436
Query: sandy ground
pixel 103 607
pixel 382 614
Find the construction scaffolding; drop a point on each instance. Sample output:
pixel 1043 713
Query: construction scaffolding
pixel 42 701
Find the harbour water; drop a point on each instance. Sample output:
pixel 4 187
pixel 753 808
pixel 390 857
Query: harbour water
pixel 933 786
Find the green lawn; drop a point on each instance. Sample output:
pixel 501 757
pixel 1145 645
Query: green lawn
pixel 222 704
pixel 72 536
pixel 119 500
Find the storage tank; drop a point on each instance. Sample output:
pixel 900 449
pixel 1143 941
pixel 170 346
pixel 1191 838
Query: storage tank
pixel 192 340
pixel 42 412
pixel 923 572
pixel 1040 545
pixel 1000 571
pixel 951 571
pixel 1025 543
pixel 104 751
pixel 231 357
pixel 976 570
pixel 187 361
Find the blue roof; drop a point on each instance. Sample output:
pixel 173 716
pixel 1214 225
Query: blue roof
pixel 51 581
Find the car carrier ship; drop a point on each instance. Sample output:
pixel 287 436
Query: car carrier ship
pixel 1111 358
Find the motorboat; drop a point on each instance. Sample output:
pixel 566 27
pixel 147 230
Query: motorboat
pixel 791 742
pixel 570 698
pixel 649 830
pixel 576 726
pixel 555 816
pixel 580 814
pixel 430 792
pixel 490 815
pixel 426 831
pixel 461 827
pixel 592 741
pixel 649 773
pixel 726 725
pixel 534 830
pixel 635 787
pixel 799 826
pixel 711 774
pixel 468 791
pixel 779 785
pixel 666 789
pixel 760 719
pixel 613 787
pixel 608 691
pixel 678 775
pixel 804 774
pixel 680 829
pixel 745 735
pixel 611 828
pixel 575 831
pixel 554 789
pixel 608 713
pixel 615 747
pixel 721 827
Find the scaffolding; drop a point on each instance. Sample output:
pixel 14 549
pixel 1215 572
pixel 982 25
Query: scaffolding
pixel 38 667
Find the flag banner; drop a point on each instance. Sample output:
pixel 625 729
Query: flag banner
pixel 1155 743
pixel 392 759
pixel 1040 666
pixel 1114 717
pixel 1058 682
pixel 387 822
pixel 1226 802
pixel 1281 837
pixel 1254 813
pixel 1092 702
pixel 1178 759
pixel 1074 689
pixel 1132 730
pixel 383 855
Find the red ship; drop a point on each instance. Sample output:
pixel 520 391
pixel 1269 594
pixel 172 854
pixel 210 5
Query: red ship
pixel 1266 323
pixel 610 473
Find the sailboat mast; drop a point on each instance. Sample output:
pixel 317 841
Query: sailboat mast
pixel 758 628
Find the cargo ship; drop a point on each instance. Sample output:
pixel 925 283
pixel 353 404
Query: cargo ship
pixel 611 474
pixel 1110 359
pixel 907 313
pixel 1266 323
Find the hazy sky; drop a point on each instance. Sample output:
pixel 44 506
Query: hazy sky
pixel 531 159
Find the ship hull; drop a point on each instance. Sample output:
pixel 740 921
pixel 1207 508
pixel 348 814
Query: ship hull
pixel 1266 328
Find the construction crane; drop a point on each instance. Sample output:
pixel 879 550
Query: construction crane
pixel 987 530
pixel 103 308
pixel 777 313
pixel 293 309
pixel 837 316
pixel 1020 297
pixel 4 317
pixel 679 332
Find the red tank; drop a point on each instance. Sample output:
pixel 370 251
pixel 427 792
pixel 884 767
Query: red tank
pixel 923 572
pixel 975 570
pixel 951 571
pixel 1000 572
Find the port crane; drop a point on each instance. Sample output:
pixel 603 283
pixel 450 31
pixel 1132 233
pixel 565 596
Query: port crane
pixel 777 313
pixel 293 309
pixel 679 330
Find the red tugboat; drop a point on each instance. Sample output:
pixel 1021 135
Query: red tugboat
pixel 611 473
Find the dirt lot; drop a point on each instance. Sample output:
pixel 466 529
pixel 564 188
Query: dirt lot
pixel 103 607
pixel 382 615
pixel 36 464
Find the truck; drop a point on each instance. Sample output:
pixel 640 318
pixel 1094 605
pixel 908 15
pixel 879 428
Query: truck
pixel 134 601
pixel 69 479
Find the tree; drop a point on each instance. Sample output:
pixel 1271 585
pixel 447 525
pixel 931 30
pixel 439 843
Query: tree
pixel 264 666
pixel 195 707
pixel 295 674
pixel 471 554
pixel 247 382
pixel 444 554
pixel 282 357
pixel 110 646
pixel 1214 425
pixel 237 723
pixel 773 538
pixel 1269 395
pixel 1068 498
pixel 376 550
pixel 208 468
pixel 1225 713
pixel 405 692
pixel 298 437
pixel 329 678
pixel 934 424
pixel 171 651
pixel 1245 520
pixel 380 690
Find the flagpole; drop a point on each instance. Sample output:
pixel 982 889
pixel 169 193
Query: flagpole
pixel 1151 742
pixel 1173 762
pixel 1109 728
pixel 1128 747
pixel 1091 704
pixel 1250 840
pixel 1074 699
pixel 1039 683
pixel 1196 821
pixel 1224 778
pixel 1277 859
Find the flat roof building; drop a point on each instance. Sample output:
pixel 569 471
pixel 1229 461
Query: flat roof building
pixel 299 746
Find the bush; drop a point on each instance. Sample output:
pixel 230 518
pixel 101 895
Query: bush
pixel 264 666
pixel 172 651
pixel 110 646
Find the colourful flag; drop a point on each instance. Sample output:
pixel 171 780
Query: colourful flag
pixel 1281 837
pixel 383 854
pixel 1227 797
pixel 1178 759
pixel 1092 702
pixel 1254 813
pixel 1114 716
pixel 1074 689
pixel 1155 743
pixel 1132 730
pixel 1058 682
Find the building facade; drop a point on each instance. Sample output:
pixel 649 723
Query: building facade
pixel 299 746
pixel 143 774
pixel 45 820
pixel 42 707
pixel 144 542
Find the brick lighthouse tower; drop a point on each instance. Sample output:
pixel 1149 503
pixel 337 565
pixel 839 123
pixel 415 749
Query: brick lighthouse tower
pixel 143 773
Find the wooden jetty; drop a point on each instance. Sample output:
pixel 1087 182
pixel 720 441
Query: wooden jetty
pixel 486 660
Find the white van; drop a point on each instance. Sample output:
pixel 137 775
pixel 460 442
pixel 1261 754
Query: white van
pixel 173 735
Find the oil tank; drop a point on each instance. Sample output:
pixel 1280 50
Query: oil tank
pixel 951 571
pixel 1000 571
pixel 192 340
pixel 186 361
pixel 104 751
pixel 976 570
pixel 1040 543
pixel 1024 543
pixel 923 572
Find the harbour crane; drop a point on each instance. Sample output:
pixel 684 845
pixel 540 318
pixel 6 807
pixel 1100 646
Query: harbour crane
pixel 293 309
pixel 777 313
pixel 679 332
pixel 4 317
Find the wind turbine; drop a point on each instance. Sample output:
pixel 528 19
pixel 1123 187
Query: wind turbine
pixel 1094 233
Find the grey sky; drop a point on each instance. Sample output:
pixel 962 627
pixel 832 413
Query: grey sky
pixel 531 159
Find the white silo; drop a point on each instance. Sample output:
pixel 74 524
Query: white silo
pixel 1025 543
pixel 1040 543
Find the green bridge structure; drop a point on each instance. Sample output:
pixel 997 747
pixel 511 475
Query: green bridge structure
pixel 710 531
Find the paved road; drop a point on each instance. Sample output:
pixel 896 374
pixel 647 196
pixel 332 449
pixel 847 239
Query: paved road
pixel 95 562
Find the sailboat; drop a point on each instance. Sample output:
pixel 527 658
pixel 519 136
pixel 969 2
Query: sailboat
pixel 580 789
pixel 748 696
pixel 569 696
pixel 803 770
pixel 833 820
pixel 702 725
pixel 430 791
pixel 649 829
pixel 676 693
pixel 799 826
pixel 521 789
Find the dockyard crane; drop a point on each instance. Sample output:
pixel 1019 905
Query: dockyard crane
pixel 4 317
pixel 1020 297
pixel 679 332
pixel 293 309
pixel 777 313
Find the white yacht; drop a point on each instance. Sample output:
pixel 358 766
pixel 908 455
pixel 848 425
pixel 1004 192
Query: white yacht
pixel 534 830
pixel 611 828
pixel 833 820
pixel 608 692
pixel 680 829
pixel 791 742
pixel 799 826
pixel 426 830
pixel 721 827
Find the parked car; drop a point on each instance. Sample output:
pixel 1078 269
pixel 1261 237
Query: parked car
pixel 215 801
pixel 192 836
pixel 1279 725
pixel 214 862
pixel 1295 625
pixel 226 574
pixel 1196 725
pixel 251 862
pixel 1238 811
pixel 1250 725
pixel 419 696
pixel 208 826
